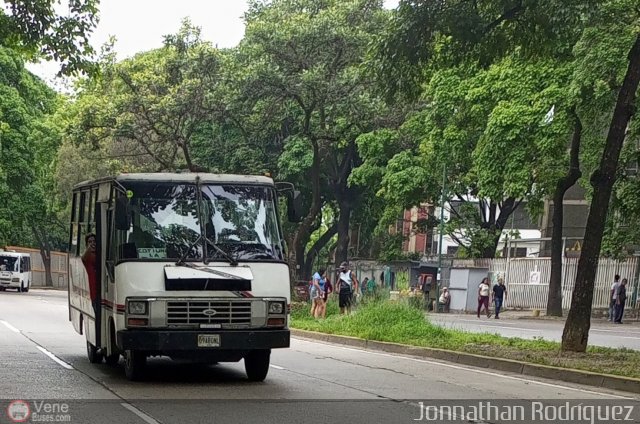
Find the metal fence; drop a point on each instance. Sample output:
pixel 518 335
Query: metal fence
pixel 527 280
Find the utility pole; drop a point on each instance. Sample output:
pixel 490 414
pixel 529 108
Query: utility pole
pixel 441 233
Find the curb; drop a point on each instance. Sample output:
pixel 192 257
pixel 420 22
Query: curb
pixel 587 378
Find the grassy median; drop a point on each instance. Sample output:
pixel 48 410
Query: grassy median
pixel 400 322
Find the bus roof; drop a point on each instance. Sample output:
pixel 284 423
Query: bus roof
pixel 4 253
pixel 187 177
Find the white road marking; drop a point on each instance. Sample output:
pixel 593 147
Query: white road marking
pixel 479 321
pixel 489 325
pixel 614 331
pixel 55 358
pixel 10 327
pixel 146 418
pixel 475 370
pixel 276 367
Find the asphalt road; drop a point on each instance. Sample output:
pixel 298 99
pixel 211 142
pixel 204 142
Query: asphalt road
pixel 602 333
pixel 44 360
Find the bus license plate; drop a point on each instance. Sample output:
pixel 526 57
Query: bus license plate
pixel 208 340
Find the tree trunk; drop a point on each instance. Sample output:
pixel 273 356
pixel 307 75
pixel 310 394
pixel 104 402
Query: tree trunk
pixel 490 250
pixel 342 249
pixel 576 329
pixel 45 253
pixel 554 301
pixel 303 232
pixel 496 223
pixel 314 250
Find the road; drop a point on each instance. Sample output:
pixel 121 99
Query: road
pixel 45 360
pixel 602 333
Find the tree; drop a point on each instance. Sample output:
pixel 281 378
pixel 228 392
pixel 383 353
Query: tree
pixel 160 101
pixel 560 30
pixel 25 102
pixel 35 30
pixel 302 58
pixel 576 331
pixel 486 126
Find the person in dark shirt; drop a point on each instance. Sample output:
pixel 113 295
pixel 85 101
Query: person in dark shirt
pixel 499 293
pixel 621 298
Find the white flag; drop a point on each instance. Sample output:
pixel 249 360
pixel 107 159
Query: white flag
pixel 548 118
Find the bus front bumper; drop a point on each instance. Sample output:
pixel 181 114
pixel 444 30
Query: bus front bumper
pixel 188 340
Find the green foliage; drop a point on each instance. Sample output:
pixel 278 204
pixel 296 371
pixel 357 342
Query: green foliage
pixel 35 29
pixel 399 322
pixel 25 101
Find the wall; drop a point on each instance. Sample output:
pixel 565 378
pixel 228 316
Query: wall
pixel 59 267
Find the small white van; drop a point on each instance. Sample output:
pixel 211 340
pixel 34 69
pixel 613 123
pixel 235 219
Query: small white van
pixel 15 271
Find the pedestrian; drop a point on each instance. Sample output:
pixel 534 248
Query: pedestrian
pixel 483 296
pixel 612 297
pixel 317 294
pixel 621 298
pixel 363 286
pixel 499 294
pixel 346 285
pixel 328 289
pixel 445 299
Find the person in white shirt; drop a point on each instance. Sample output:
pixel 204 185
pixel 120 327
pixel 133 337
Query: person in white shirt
pixel 613 296
pixel 483 296
pixel 346 286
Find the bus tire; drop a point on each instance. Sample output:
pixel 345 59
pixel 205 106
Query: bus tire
pixel 134 364
pixel 21 289
pixel 95 357
pixel 256 364
pixel 112 360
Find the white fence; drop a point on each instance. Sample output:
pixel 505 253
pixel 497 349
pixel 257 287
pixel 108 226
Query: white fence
pixel 527 280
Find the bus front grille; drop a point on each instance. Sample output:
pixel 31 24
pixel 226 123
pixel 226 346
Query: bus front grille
pixel 197 312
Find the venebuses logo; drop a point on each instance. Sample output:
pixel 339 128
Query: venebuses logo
pixel 18 411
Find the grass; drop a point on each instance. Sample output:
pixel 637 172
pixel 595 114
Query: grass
pixel 400 322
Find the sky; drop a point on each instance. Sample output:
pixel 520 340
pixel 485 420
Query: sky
pixel 139 25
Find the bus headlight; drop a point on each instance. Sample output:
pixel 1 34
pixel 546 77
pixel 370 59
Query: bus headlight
pixel 276 308
pixel 137 307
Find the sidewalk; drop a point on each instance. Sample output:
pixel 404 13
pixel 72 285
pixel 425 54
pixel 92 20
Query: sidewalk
pixel 597 316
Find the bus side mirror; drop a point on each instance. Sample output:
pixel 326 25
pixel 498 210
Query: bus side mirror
pixel 294 207
pixel 123 221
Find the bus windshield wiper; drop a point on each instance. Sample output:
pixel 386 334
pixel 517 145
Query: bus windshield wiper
pixel 231 259
pixel 186 253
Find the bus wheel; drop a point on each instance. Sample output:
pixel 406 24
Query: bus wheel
pixel 94 356
pixel 112 360
pixel 134 364
pixel 256 364
pixel 21 289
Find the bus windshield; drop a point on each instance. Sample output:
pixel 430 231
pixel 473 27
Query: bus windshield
pixel 8 263
pixel 170 222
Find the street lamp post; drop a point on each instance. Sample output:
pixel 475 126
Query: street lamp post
pixel 441 232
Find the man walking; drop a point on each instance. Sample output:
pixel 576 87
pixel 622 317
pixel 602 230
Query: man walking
pixel 346 286
pixel 612 297
pixel 499 293
pixel 621 298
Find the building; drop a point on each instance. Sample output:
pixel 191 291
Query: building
pixel 420 231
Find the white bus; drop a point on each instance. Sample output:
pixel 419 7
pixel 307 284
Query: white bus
pixel 189 266
pixel 15 271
